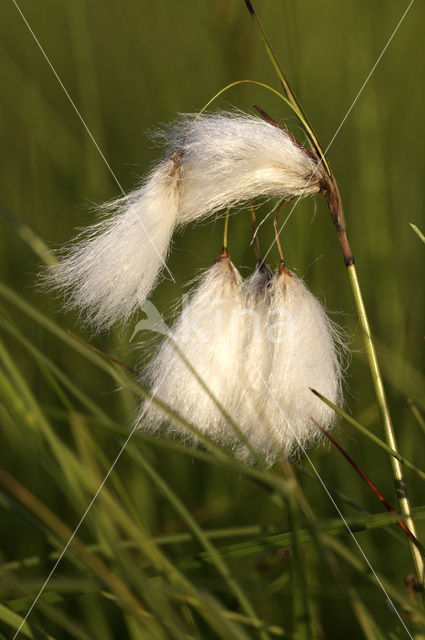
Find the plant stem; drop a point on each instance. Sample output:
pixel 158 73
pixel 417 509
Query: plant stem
pixel 333 198
pixel 331 192
pixel 386 417
pixel 226 228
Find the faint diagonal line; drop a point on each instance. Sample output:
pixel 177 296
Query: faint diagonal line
pixel 92 138
pixel 92 501
pixel 368 77
pixel 322 482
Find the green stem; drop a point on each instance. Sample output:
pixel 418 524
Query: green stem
pixel 370 435
pixel 299 585
pixel 386 417
pixel 331 192
pixel 226 229
pixel 292 98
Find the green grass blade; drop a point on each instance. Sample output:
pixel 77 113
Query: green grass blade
pixel 28 630
pixel 29 236
pixel 380 443
pixel 215 556
pixel 296 105
pixel 417 231
pixel 334 527
pixel 301 615
pixel 418 415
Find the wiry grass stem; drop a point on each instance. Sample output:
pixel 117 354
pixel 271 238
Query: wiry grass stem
pixel 386 417
pixel 333 198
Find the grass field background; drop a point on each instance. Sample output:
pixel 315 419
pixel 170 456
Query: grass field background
pixel 65 412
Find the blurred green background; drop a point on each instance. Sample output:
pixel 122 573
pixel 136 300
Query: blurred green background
pixel 130 66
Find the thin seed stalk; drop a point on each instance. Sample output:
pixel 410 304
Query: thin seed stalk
pixel 386 417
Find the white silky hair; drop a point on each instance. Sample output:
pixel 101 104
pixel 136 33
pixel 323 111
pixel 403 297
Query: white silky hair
pixel 217 161
pixel 109 270
pixel 306 354
pixel 273 341
pixel 256 361
pixel 208 334
pixel 230 158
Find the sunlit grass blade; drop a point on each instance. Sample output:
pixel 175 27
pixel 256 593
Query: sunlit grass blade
pixel 241 82
pixel 370 435
pixel 417 231
pixel 28 630
pixel 418 415
pixel 384 410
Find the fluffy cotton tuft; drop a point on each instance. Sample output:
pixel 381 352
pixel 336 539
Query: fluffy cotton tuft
pixel 208 333
pixel 217 161
pixel 259 347
pixel 256 358
pixel 110 269
pixel 232 158
pixel 305 354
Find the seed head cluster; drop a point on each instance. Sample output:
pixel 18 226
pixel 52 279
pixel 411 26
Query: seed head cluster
pixel 213 162
pixel 252 350
pixel 242 353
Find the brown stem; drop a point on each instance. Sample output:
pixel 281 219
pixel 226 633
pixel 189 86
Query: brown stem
pixel 375 490
pixel 333 198
pixel 279 246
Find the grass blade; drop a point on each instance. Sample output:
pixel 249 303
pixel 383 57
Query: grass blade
pixel 417 231
pixel 371 435
pixel 370 484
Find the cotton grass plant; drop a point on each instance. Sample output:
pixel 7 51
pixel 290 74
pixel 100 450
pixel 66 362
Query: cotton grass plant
pixel 214 162
pixel 184 541
pixel 258 347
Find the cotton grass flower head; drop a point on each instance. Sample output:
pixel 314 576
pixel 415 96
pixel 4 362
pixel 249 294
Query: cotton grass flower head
pixel 215 161
pixel 256 359
pixel 112 266
pixel 306 349
pixel 230 158
pixel 208 334
pixel 258 346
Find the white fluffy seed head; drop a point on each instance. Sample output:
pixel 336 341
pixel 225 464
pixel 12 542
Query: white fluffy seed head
pixel 109 270
pixel 216 161
pixel 259 347
pixel 232 157
pixel 208 333
pixel 256 359
pixel 305 355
